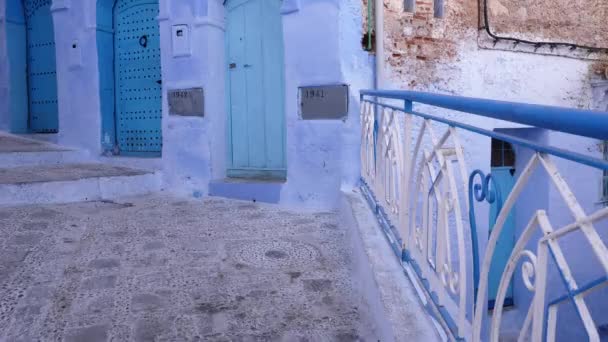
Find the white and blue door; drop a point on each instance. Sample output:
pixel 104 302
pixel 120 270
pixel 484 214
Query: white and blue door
pixel 503 170
pixel 137 78
pixel 255 89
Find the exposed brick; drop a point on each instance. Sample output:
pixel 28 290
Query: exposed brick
pixel 419 45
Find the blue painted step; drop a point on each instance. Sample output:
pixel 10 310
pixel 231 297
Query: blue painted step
pixel 247 190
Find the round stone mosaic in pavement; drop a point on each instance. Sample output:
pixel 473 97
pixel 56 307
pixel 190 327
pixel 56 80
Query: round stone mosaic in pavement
pixel 158 268
pixel 274 253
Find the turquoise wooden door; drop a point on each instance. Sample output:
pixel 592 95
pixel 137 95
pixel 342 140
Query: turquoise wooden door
pixel 137 68
pixel 255 89
pixel 41 67
pixel 503 163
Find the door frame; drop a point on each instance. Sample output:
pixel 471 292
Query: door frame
pixel 253 173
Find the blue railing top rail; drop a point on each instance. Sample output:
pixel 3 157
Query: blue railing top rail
pixel 587 123
pixel 542 148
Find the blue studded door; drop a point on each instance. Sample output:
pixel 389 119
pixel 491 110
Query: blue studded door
pixel 137 67
pixel 41 67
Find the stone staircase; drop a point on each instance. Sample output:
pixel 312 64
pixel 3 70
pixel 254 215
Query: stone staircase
pixel 36 172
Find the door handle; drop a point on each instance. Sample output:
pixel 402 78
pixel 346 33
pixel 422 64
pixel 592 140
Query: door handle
pixel 159 82
pixel 247 65
pixel 232 65
pixel 143 41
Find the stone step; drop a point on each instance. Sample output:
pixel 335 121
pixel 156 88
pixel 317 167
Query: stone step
pixel 65 183
pixel 20 151
pixel 267 191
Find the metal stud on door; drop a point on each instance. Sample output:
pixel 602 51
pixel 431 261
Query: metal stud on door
pixel 138 78
pixel 41 67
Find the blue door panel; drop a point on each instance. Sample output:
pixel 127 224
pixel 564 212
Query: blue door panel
pixel 16 41
pixel 254 46
pixel 274 85
pixel 41 64
pixel 105 42
pixel 237 85
pixel 506 242
pixel 138 89
pixel 252 66
pixel 105 58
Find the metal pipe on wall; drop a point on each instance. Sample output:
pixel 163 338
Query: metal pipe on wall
pixel 379 21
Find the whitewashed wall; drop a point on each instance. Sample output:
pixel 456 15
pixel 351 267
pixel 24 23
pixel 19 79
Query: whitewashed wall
pixel 321 47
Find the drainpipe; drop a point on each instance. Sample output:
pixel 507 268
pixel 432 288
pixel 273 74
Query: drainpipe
pixel 379 65
pixel 379 21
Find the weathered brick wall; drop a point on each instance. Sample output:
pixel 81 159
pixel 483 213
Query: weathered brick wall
pixel 419 41
pixel 425 52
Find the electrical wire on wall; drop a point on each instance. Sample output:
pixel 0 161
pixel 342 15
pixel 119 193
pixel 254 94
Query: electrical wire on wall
pixel 537 45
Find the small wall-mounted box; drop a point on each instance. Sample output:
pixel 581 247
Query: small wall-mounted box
pixel 327 102
pixel 181 40
pixel 75 55
pixel 187 102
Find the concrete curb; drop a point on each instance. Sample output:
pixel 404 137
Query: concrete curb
pixel 389 297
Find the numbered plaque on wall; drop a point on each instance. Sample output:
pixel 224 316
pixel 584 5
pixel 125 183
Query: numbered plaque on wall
pixel 328 102
pixel 187 102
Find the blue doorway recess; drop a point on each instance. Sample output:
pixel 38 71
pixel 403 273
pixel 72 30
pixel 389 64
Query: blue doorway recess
pixel 503 170
pixel 31 50
pixel 255 89
pixel 128 39
pixel 137 77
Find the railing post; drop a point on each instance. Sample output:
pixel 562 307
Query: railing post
pixel 409 106
pixel 404 213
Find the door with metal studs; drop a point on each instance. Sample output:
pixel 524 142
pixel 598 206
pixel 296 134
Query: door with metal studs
pixel 137 68
pixel 41 67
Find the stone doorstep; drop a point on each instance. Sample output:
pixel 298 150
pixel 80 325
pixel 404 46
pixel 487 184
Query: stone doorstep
pixel 266 191
pixel 73 183
pixel 17 159
pixel 18 151
pixel 10 143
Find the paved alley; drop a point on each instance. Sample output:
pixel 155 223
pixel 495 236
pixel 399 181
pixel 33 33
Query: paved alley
pixel 160 268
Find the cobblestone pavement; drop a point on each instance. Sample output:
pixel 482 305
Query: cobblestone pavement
pixel 160 268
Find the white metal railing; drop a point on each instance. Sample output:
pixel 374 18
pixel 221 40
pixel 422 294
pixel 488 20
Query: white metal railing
pixel 415 171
